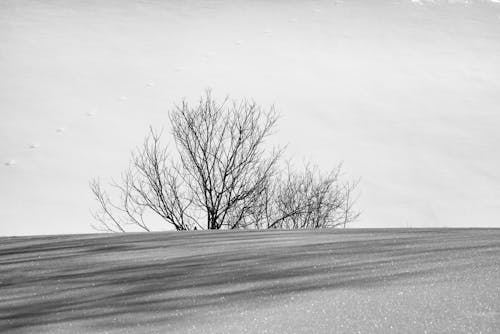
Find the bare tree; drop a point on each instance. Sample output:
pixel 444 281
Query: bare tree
pixel 224 164
pixel 150 183
pixel 223 176
pixel 307 199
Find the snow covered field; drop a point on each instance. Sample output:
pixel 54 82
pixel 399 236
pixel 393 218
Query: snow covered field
pixel 329 281
pixel 406 93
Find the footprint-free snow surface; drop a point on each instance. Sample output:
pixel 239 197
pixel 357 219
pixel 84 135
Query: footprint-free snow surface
pixel 330 281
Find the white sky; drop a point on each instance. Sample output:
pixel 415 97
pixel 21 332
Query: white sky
pixel 406 93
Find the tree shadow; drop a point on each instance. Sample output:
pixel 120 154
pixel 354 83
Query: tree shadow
pixel 113 281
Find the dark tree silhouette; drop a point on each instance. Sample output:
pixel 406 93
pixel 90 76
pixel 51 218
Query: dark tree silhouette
pixel 222 175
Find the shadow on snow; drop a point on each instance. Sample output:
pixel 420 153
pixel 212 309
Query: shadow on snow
pixel 110 281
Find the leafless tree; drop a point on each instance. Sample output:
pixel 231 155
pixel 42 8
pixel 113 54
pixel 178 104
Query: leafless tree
pixel 150 183
pixel 305 199
pixel 223 161
pixel 310 199
pixel 221 177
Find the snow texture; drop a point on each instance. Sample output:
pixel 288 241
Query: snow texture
pixel 405 94
pixel 354 281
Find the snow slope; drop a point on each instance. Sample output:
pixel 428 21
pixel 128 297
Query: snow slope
pixel 406 93
pixel 340 281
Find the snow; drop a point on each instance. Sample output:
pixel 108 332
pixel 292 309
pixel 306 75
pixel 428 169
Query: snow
pixel 406 95
pixel 341 281
pixel 10 162
pixel 465 2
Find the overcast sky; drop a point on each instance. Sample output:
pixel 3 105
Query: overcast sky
pixel 405 93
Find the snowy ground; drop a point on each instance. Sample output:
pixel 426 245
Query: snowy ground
pixel 406 93
pixel 331 281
